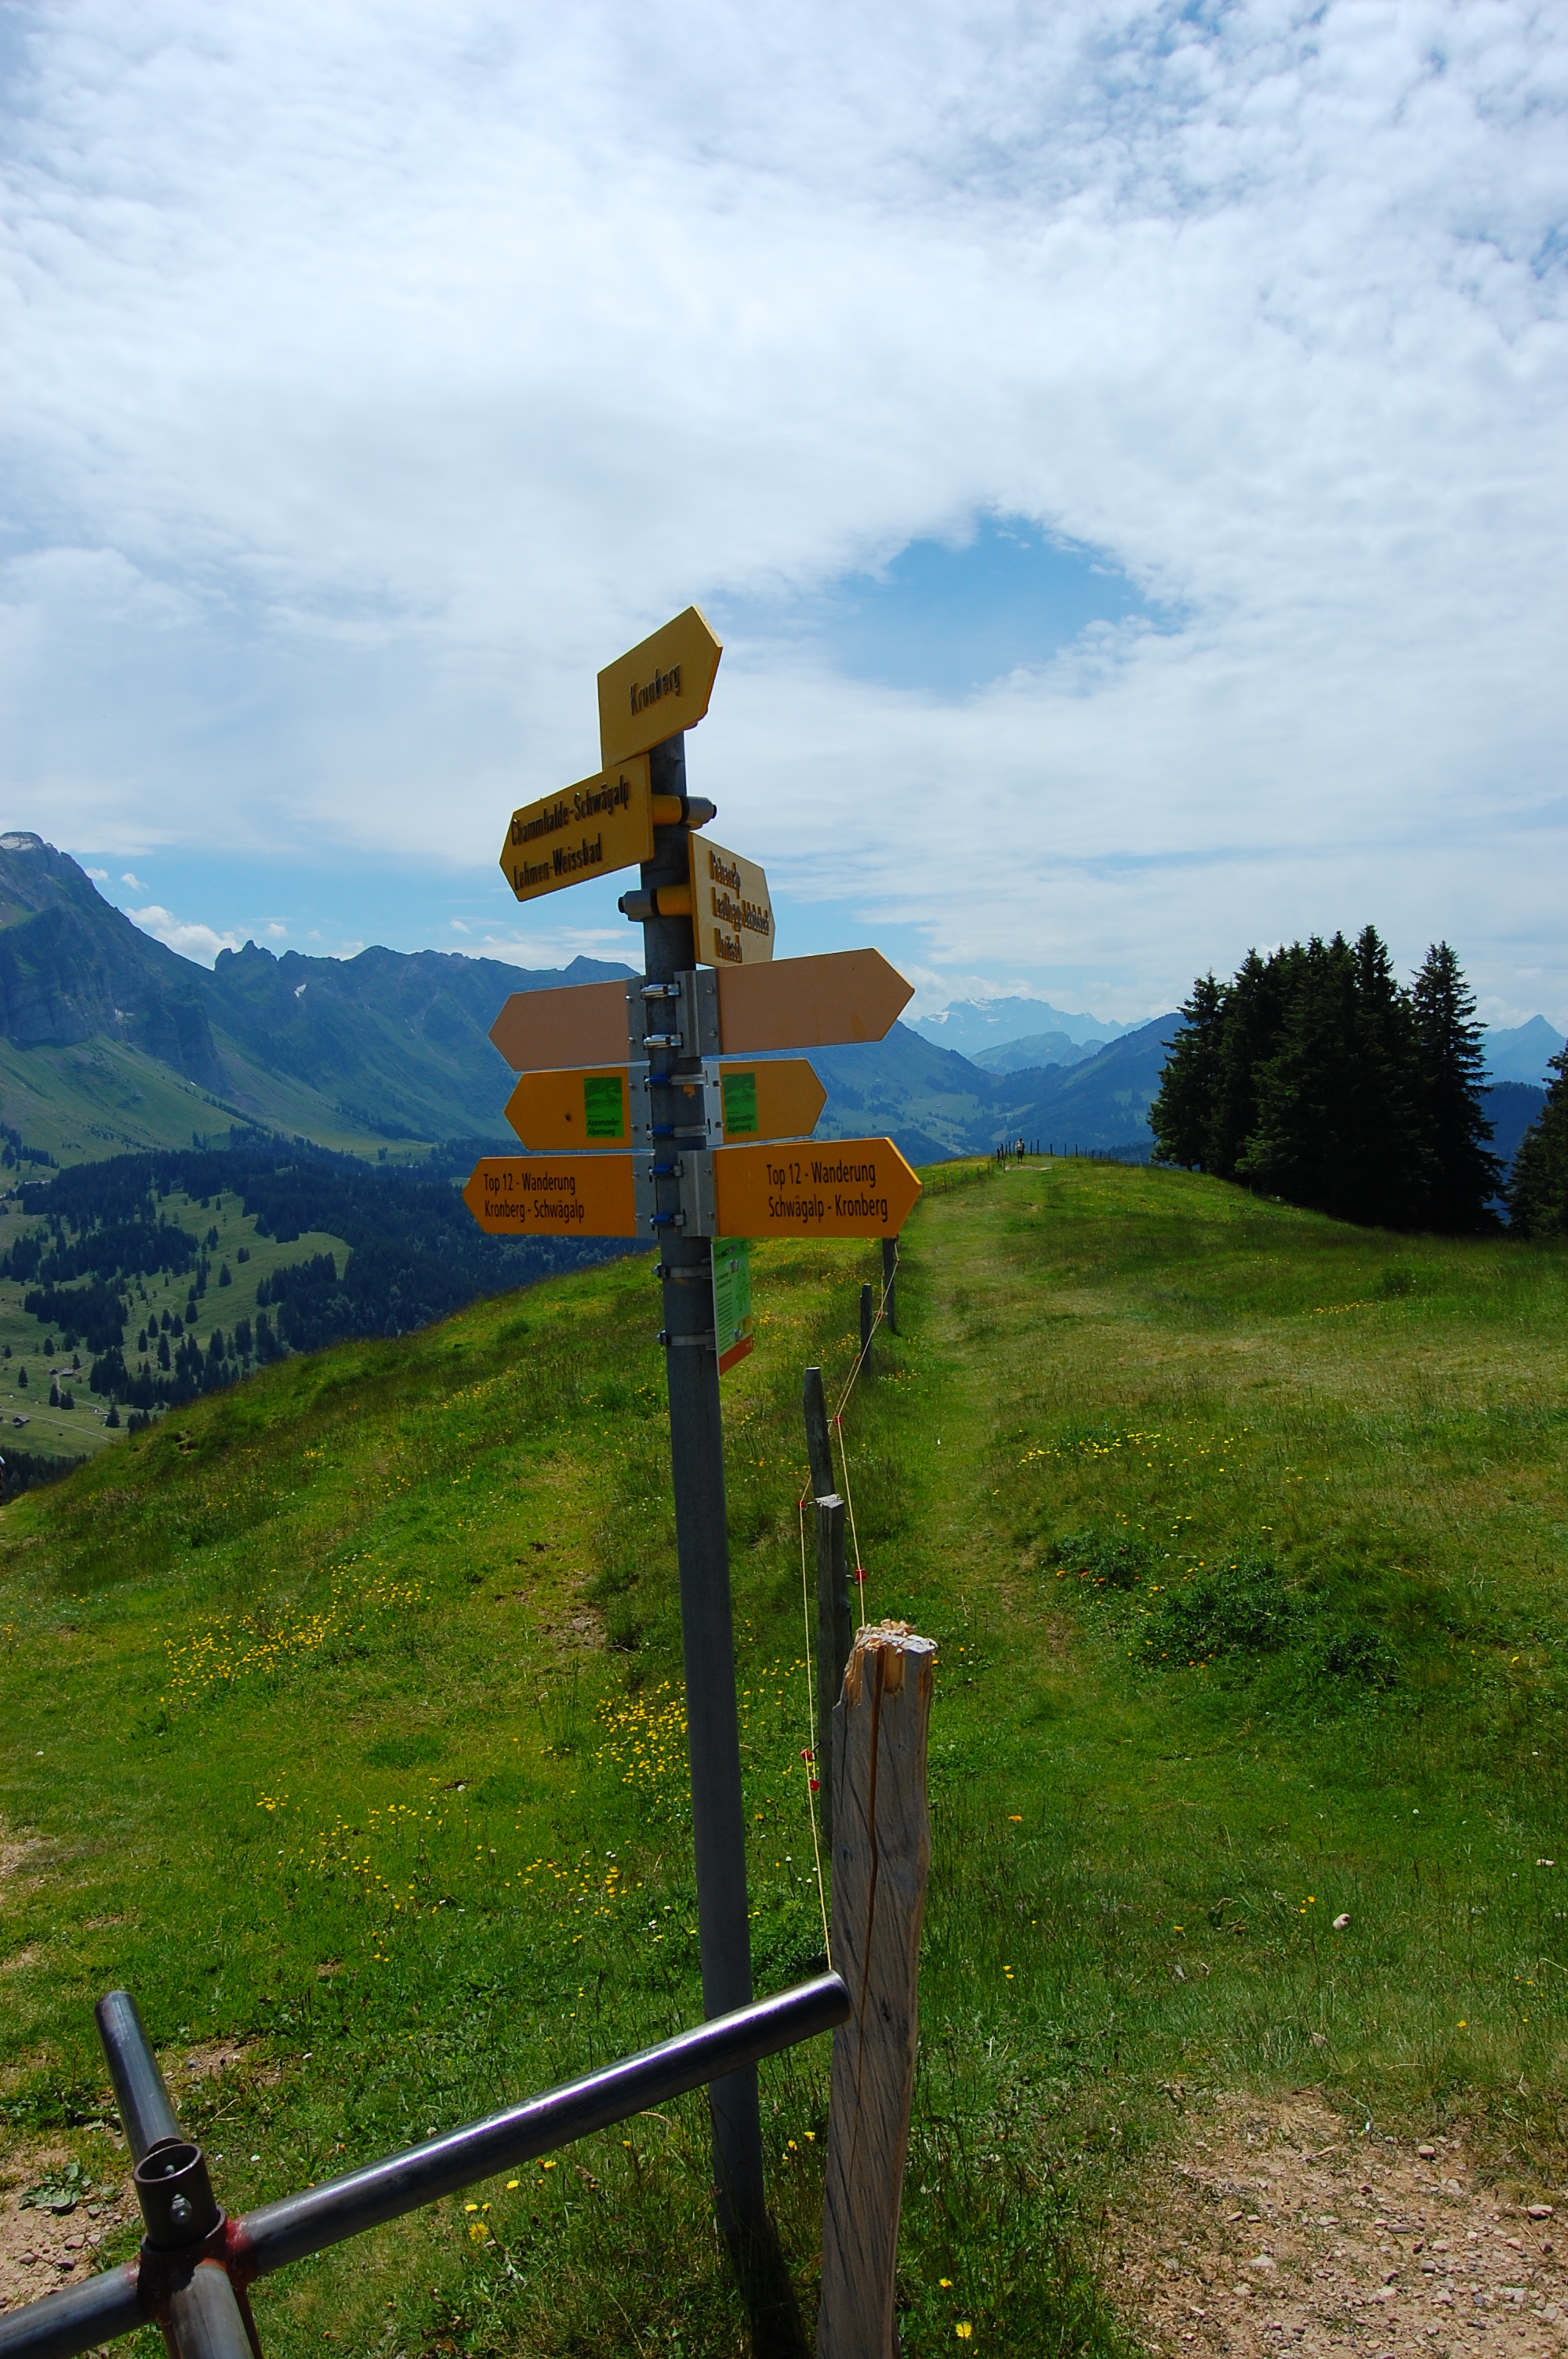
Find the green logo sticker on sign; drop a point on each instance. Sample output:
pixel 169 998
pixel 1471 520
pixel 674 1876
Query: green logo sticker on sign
pixel 740 1106
pixel 731 1299
pixel 604 1106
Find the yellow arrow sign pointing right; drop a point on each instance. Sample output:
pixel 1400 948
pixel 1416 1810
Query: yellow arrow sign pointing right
pixel 843 1187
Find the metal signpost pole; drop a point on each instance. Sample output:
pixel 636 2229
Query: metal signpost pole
pixel 702 1544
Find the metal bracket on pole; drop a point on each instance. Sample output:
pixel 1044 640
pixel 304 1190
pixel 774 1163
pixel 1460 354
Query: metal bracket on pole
pixel 681 1014
pixel 697 1193
pixel 640 1108
pixel 692 1170
pixel 701 988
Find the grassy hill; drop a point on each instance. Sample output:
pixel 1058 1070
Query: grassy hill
pixel 346 1730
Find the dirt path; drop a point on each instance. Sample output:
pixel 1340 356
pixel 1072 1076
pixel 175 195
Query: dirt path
pixel 1277 2229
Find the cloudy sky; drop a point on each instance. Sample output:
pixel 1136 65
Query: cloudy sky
pixel 1123 449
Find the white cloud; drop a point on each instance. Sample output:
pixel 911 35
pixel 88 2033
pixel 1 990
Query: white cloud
pixel 551 946
pixel 383 371
pixel 134 882
pixel 200 943
pixel 99 875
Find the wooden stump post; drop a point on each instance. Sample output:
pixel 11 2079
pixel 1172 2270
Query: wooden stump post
pixel 882 1855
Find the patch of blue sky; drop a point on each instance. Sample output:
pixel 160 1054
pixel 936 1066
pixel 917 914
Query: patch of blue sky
pixel 951 617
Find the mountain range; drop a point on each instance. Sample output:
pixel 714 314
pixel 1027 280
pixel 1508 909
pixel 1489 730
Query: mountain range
pixel 109 1040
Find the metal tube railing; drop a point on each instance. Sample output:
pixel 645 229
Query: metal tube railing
pixel 203 2308
pixel 145 2114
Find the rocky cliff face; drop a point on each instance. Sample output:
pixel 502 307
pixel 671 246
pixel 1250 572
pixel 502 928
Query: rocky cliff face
pixel 72 968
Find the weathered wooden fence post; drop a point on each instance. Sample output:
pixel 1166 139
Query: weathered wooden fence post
pixel 835 1636
pixel 889 1283
pixel 882 1854
pixel 819 1448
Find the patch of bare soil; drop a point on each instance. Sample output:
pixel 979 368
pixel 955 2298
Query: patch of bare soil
pixel 18 1852
pixel 41 2248
pixel 1277 2229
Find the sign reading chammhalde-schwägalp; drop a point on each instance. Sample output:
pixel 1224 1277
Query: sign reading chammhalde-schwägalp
pixel 602 823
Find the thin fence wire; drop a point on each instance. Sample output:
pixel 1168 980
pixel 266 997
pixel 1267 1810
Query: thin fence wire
pixel 817 1769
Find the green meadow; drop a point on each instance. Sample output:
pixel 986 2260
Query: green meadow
pixel 344 1727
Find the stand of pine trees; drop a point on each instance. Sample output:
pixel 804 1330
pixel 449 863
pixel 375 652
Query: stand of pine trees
pixel 1315 1075
pixel 1538 1184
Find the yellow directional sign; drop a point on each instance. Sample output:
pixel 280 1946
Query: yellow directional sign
pixel 601 824
pixel 572 1109
pixel 553 1196
pixel 804 1003
pixel 844 1188
pixel 781 1099
pixel 660 688
pixel 732 915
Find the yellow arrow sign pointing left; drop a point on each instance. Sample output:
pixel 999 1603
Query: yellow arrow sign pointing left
pixel 553 1196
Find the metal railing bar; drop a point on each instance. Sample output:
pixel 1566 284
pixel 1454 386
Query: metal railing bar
pixel 77 2318
pixel 74 2320
pixel 300 2224
pixel 146 2113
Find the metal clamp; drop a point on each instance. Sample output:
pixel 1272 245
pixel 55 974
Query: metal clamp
pixel 695 994
pixel 707 1342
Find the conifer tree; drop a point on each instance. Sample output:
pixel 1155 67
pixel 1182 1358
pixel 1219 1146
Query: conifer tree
pixel 1315 1074
pixel 1256 1006
pixel 1182 1115
pixel 1464 1176
pixel 1538 1184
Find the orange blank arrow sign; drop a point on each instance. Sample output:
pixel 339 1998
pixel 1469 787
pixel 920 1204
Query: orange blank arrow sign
pixel 804 1003
pixel 844 1188
pixel 553 1196
pixel 583 1025
pixel 809 1003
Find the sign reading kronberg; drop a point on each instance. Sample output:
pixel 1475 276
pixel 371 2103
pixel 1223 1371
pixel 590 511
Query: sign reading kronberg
pixel 586 1083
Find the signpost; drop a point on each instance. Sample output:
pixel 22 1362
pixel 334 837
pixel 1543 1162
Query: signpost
pixel 672 1135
